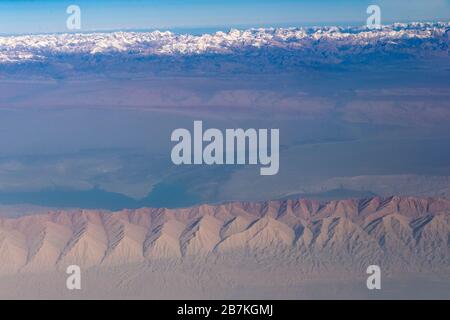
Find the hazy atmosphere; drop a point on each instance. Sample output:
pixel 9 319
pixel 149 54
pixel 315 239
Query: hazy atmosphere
pixel 92 130
pixel 134 148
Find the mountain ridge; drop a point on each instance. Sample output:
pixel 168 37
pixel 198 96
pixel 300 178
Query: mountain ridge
pixel 252 51
pixel 401 233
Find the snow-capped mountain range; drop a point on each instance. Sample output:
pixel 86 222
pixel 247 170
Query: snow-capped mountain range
pixel 332 43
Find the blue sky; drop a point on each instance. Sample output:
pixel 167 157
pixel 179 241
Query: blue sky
pixel 28 16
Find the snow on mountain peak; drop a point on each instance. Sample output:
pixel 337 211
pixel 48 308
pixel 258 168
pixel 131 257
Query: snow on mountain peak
pixel 349 40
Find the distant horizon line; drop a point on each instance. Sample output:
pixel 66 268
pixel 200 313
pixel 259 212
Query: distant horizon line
pixel 208 29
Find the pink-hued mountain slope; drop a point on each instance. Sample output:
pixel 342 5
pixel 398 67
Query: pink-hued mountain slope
pixel 279 242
